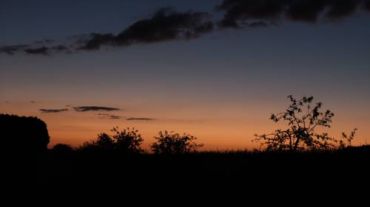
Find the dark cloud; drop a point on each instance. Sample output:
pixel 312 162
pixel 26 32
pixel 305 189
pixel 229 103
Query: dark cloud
pixel 367 5
pixel 166 24
pixel 35 49
pixel 258 24
pixel 12 49
pixel 240 12
pixel 59 48
pixel 109 116
pixel 97 40
pixel 45 41
pixel 53 110
pixel 140 119
pixel 38 51
pixel 94 108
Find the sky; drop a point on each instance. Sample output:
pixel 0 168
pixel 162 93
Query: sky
pixel 215 69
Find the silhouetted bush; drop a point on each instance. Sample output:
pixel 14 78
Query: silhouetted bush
pixel 174 143
pixel 125 141
pixel 62 149
pixel 23 135
pixel 303 120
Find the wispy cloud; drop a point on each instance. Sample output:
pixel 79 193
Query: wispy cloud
pixel 53 110
pixel 109 116
pixel 140 119
pixel 94 108
pixel 37 48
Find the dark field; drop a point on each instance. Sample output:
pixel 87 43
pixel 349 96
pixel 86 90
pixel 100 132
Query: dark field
pixel 204 169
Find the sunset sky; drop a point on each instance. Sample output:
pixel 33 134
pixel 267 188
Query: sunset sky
pixel 214 68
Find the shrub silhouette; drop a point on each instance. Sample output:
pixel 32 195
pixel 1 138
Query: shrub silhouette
pixel 303 120
pixel 105 142
pixel 174 143
pixel 125 141
pixel 62 149
pixel 347 139
pixel 23 135
pixel 128 140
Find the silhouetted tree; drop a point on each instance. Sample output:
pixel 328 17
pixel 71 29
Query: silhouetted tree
pixel 23 146
pixel 126 141
pixel 62 153
pixel 303 120
pixel 23 135
pixel 105 142
pixel 62 149
pixel 174 143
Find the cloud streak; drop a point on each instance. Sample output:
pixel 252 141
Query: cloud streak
pixel 165 25
pixel 109 116
pixel 94 108
pixel 140 119
pixel 241 13
pixel 46 48
pixel 53 110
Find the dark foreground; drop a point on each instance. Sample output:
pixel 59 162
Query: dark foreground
pixel 190 176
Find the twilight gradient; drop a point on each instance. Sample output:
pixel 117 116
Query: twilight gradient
pixel 221 87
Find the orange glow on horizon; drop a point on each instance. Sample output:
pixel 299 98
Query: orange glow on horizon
pixel 231 129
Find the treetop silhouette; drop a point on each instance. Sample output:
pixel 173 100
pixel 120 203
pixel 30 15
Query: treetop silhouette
pixel 304 119
pixel 128 140
pixel 23 135
pixel 174 143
